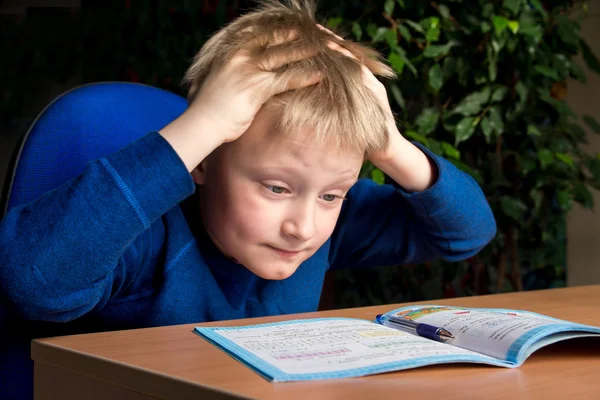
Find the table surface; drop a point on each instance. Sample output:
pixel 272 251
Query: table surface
pixel 164 360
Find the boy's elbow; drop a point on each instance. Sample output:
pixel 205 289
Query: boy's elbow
pixel 476 240
pixel 26 293
pixel 485 231
pixel 491 231
pixel 29 298
pixel 33 304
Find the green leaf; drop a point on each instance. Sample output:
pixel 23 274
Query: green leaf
pixel 436 147
pixel 513 208
pixel 436 50
pixel 450 150
pixel 486 128
pixel 497 45
pixel 404 32
pixel 357 31
pixel 444 11
pixel 401 3
pixel 512 5
pixel 567 30
pixel 400 51
pixel 492 69
pixel 391 37
pixel 589 57
pixel 577 73
pixel 576 132
pixel 499 94
pixel 513 26
pixel 512 44
pixel 558 105
pixel 546 71
pixel 532 130
pixel 594 166
pixel 372 29
pixel 464 129
pixel 416 137
pixel 530 27
pixel 539 7
pixel 473 103
pixel 561 64
pixel 427 121
pixel 332 23
pixel 397 62
pixel 583 196
pixel 487 9
pixel 537 197
pixel 378 176
pixel 564 199
pixel 500 23
pixel 485 27
pixel 379 35
pixel 527 165
pixel 432 26
pixel 496 120
pixel 436 78
pixel 415 26
pixel 592 123
pixel 388 7
pixel 545 156
pixel 522 92
pixel 398 96
pixel 567 159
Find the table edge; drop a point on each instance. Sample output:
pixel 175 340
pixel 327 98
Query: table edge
pixel 143 380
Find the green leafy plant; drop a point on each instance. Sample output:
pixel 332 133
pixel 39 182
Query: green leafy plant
pixel 483 83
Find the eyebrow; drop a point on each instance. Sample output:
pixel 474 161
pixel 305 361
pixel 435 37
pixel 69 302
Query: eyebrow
pixel 348 176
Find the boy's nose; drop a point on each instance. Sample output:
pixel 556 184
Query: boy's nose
pixel 301 223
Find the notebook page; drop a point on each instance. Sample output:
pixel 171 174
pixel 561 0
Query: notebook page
pixel 333 345
pixel 496 333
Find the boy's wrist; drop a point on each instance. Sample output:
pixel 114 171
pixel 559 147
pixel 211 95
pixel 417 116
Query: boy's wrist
pixel 193 136
pixel 407 165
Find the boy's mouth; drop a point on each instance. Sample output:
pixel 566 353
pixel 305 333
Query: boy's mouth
pixel 284 252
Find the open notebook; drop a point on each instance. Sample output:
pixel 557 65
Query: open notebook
pixel 325 348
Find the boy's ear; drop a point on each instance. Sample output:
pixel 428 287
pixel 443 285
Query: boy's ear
pixel 198 173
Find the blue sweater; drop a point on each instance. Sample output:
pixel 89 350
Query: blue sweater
pixel 118 247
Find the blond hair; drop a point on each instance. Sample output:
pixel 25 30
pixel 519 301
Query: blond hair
pixel 340 108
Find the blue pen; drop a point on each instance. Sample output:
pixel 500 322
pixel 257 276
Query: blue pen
pixel 425 330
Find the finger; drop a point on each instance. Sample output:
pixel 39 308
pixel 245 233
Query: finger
pixel 337 47
pixel 276 57
pixel 292 80
pixel 321 27
pixel 372 82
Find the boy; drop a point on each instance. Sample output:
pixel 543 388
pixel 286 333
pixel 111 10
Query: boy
pixel 282 114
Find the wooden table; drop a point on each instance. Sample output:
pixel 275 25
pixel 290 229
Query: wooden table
pixel 173 362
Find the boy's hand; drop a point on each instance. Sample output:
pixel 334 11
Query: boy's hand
pixel 401 160
pixel 231 96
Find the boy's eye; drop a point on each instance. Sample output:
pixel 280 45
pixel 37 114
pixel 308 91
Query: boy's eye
pixel 276 189
pixel 331 197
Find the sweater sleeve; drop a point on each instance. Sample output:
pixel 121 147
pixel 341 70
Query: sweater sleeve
pixel 385 225
pixel 62 255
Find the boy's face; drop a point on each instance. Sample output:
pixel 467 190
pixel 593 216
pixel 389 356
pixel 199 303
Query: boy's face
pixel 269 201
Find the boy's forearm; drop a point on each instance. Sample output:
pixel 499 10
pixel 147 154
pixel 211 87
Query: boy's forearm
pixel 407 165
pixel 73 239
pixel 193 137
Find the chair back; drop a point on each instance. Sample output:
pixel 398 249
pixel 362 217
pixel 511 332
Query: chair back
pixel 81 125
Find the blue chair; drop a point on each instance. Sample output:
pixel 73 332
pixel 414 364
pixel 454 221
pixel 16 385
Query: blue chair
pixel 81 125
